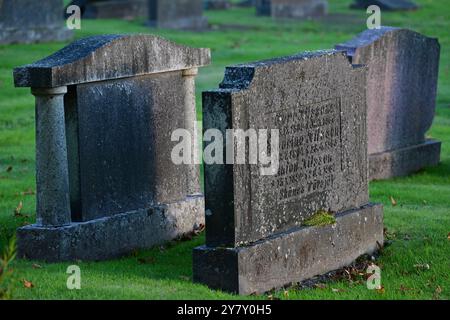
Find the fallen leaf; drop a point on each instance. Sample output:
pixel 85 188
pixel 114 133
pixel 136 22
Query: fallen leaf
pixel 337 290
pixel 437 292
pixel 199 230
pixel 448 236
pixel 286 294
pixel 380 290
pixel 18 209
pixel 27 284
pixel 320 285
pixel 271 297
pixel 393 201
pixel 36 266
pixel 424 266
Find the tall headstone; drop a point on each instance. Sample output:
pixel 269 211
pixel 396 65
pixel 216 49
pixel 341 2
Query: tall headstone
pixel 256 238
pixel 292 9
pixel 401 98
pixel 177 14
pixel 388 5
pixel 112 9
pixel 29 21
pixel 106 107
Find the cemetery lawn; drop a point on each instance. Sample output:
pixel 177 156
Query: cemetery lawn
pixel 416 264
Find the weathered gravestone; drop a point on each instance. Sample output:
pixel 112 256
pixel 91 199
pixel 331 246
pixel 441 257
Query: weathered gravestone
pixel 388 5
pixel 292 9
pixel 216 4
pixel 112 9
pixel 177 14
pixel 401 98
pixel 255 234
pixel 106 107
pixel 28 21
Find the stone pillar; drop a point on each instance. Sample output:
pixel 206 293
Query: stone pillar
pixel 53 200
pixel 193 176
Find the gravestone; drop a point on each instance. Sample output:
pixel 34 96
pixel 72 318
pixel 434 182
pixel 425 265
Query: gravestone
pixel 29 21
pixel 112 9
pixel 292 9
pixel 177 14
pixel 401 98
pixel 216 4
pixel 256 238
pixel 106 107
pixel 388 5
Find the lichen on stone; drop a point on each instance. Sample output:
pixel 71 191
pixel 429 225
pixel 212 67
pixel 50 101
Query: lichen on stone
pixel 320 218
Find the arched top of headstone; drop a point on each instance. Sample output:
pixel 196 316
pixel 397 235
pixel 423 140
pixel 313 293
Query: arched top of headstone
pixel 106 57
pixel 368 37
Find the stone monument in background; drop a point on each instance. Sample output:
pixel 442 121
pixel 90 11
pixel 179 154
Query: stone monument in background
pixel 106 107
pixel 177 14
pixel 291 9
pixel 29 21
pixel 259 234
pixel 387 5
pixel 401 98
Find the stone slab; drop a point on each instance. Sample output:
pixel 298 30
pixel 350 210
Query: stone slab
pixel 298 9
pixel 107 57
pixel 404 161
pixel 292 256
pixel 113 9
pixel 113 236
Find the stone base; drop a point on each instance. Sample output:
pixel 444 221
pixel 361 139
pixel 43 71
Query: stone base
pixel 402 162
pixel 304 9
pixel 113 236
pixel 119 9
pixel 55 34
pixel 193 23
pixel 292 256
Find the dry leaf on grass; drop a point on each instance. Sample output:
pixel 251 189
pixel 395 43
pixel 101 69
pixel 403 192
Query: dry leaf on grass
pixel 393 201
pixel 18 209
pixel 27 284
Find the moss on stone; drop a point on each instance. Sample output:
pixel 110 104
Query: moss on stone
pixel 320 218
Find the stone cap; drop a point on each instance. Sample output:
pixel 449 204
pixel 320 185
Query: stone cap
pixel 367 37
pixel 240 76
pixel 106 57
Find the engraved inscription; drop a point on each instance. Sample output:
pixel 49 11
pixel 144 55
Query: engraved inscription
pixel 310 149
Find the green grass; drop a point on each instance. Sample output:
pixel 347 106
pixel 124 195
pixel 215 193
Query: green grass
pixel 417 226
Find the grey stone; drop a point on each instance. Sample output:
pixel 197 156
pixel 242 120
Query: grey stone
pixel 401 96
pixel 317 102
pixel 112 9
pixel 29 21
pixel 293 256
pixel 113 236
pixel 292 9
pixel 388 5
pixel 104 147
pixel 216 4
pixel 177 14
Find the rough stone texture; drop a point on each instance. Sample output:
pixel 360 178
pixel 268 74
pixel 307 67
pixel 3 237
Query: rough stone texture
pixel 112 9
pixel 401 92
pixel 216 4
pixel 113 236
pixel 28 21
pixel 292 256
pixel 291 9
pixel 107 57
pixel 317 102
pixel 286 89
pixel 389 5
pixel 403 161
pixel 177 14
pixel 104 150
